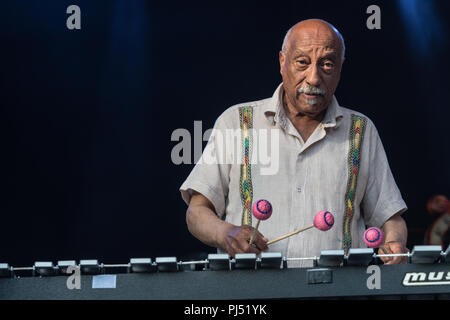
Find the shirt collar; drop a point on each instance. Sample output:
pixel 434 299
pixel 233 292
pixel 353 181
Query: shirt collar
pixel 333 115
pixel 274 111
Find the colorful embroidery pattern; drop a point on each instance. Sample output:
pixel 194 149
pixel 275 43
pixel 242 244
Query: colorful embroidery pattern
pixel 246 189
pixel 357 128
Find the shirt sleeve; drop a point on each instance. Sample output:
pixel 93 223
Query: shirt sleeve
pixel 382 198
pixel 210 175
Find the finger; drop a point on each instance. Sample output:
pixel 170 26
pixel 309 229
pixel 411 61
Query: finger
pixel 246 233
pixel 236 247
pixel 386 260
pixel 398 249
pixel 260 243
pixel 243 240
pixel 239 241
pixel 248 230
pixel 253 249
pixel 396 260
pixel 247 248
pixel 230 250
pixel 241 245
pixel 262 237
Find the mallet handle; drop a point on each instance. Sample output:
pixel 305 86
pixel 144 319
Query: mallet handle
pixel 290 234
pixel 254 232
pixel 384 250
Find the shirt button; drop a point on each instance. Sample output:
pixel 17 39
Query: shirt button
pixel 299 189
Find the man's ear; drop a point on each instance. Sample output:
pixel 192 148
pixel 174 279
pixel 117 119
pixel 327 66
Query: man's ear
pixel 282 59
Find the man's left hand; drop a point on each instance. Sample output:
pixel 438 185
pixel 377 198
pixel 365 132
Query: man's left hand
pixel 393 247
pixel 396 233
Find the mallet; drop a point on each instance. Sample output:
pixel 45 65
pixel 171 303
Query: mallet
pixel 374 238
pixel 323 220
pixel 262 210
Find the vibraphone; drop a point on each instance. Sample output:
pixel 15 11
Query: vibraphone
pixel 358 274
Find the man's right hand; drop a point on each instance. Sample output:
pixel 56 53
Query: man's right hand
pixel 205 225
pixel 235 239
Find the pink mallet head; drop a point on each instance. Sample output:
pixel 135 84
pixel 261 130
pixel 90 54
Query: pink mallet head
pixel 373 237
pixel 262 209
pixel 323 220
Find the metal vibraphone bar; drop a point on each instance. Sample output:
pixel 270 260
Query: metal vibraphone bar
pixel 358 274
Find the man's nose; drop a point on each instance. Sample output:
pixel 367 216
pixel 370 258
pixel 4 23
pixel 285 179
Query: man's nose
pixel 313 77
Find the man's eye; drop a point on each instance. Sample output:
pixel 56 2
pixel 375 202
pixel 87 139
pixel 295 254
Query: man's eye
pixel 328 65
pixel 302 62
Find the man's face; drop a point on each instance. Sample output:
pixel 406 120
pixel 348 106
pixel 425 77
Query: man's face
pixel 311 68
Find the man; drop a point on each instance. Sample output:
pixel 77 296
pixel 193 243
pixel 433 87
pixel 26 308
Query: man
pixel 330 158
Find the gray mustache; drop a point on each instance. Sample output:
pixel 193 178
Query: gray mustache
pixel 311 90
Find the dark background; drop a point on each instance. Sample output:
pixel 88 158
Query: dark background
pixel 87 115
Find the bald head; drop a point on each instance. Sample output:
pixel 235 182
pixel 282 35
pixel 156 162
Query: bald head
pixel 311 31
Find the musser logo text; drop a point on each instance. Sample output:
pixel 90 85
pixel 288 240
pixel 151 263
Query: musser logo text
pixel 426 279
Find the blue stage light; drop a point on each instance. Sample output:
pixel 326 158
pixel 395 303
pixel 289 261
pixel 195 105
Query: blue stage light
pixel 423 26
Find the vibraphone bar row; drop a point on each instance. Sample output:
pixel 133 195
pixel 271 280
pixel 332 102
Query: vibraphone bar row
pixel 273 260
pixel 333 275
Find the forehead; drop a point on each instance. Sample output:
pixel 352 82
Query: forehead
pixel 311 39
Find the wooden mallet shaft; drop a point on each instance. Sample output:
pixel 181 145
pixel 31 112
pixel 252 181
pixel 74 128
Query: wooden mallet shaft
pixel 290 234
pixel 254 232
pixel 384 250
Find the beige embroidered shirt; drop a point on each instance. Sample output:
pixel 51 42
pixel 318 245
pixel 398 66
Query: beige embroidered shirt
pixel 299 178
